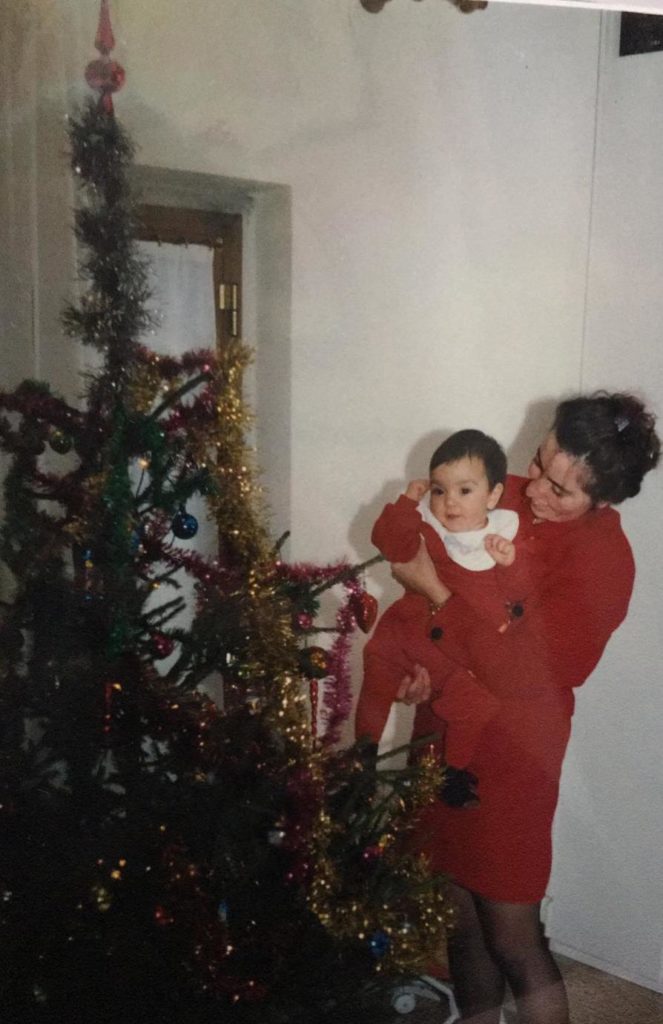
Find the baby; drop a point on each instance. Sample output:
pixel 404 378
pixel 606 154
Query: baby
pixel 471 543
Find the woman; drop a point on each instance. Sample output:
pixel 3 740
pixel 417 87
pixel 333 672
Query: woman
pixel 499 852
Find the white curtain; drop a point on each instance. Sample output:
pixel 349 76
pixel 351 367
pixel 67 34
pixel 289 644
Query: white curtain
pixel 183 297
pixel 181 281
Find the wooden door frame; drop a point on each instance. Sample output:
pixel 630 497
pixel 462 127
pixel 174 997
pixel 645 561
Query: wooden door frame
pixel 221 232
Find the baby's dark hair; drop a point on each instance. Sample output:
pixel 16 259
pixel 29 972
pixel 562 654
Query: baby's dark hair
pixel 472 444
pixel 615 437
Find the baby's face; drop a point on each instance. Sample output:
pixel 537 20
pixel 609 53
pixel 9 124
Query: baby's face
pixel 460 495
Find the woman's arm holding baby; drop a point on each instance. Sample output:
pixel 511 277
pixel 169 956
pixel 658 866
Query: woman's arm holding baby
pixel 555 636
pixel 420 575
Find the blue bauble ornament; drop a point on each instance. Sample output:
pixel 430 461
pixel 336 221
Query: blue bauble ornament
pixel 135 540
pixel 379 943
pixel 184 525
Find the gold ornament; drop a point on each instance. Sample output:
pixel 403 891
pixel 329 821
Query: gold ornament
pixel 102 897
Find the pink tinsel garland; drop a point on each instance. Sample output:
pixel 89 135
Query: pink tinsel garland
pixel 337 700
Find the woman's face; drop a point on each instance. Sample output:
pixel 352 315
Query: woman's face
pixel 557 484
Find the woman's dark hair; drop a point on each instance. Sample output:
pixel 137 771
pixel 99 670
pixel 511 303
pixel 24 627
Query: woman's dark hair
pixel 614 435
pixel 472 444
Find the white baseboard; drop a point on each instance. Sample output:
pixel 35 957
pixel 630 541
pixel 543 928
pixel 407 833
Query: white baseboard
pixel 656 985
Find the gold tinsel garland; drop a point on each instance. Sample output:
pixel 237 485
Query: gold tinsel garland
pixel 413 939
pixel 270 665
pixel 407 937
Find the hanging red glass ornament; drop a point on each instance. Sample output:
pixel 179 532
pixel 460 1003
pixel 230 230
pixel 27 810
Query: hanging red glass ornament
pixel 161 645
pixel 111 689
pixel 364 607
pixel 163 916
pixel 313 690
pixel 371 854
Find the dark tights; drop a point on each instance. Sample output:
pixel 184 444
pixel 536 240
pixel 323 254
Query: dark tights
pixel 494 943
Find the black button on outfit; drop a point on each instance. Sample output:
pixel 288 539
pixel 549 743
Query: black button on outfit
pixel 436 633
pixel 517 610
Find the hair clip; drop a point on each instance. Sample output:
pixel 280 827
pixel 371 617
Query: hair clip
pixel 621 422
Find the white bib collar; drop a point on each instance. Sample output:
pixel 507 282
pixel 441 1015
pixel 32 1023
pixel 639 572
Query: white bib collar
pixel 466 548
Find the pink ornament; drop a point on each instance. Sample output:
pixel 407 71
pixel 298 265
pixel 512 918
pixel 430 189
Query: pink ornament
pixel 303 620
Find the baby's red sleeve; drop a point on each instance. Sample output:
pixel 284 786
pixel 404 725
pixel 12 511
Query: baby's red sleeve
pixel 397 532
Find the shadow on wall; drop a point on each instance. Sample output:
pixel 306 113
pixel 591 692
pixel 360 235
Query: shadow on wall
pixel 537 421
pixel 39 251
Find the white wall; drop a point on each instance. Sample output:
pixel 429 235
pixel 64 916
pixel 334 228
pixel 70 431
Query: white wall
pixel 431 180
pixel 607 881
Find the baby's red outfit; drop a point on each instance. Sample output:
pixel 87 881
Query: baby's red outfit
pixel 406 634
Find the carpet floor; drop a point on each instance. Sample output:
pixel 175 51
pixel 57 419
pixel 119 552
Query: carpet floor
pixel 594 998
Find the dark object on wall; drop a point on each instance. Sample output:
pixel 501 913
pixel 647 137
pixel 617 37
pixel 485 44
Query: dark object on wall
pixel 466 6
pixel 640 33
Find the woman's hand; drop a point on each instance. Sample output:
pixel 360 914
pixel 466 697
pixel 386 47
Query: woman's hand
pixel 415 688
pixel 500 549
pixel 419 575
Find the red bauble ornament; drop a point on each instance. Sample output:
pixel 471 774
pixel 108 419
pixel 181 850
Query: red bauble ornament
pixel 163 916
pixel 161 645
pixel 105 75
pixel 364 607
pixel 299 873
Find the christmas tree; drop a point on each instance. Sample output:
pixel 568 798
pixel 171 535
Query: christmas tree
pixel 164 857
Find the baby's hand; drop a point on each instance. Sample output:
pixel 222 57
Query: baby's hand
pixel 500 549
pixel 416 489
